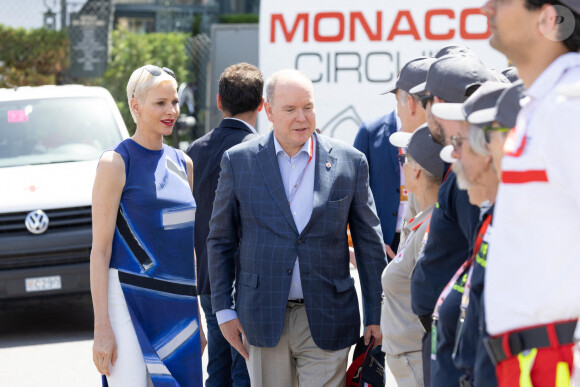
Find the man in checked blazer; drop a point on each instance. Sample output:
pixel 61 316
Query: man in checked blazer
pixel 285 200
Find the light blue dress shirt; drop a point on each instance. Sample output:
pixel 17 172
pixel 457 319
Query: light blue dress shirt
pixel 301 205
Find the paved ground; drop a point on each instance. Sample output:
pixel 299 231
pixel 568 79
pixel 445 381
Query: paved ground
pixel 50 345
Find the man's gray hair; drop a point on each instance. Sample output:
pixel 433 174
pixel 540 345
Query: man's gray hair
pixel 403 94
pixel 273 79
pixel 477 141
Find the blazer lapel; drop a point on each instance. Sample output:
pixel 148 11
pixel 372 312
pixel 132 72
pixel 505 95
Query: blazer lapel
pixel 268 162
pixel 325 168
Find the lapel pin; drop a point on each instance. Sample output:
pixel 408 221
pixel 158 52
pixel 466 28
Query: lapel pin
pixel 328 165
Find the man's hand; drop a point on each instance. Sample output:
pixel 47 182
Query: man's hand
pixel 352 256
pixel 374 331
pixel 231 331
pixel 390 253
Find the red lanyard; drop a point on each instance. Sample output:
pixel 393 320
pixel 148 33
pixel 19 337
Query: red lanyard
pixel 299 180
pixel 479 242
pixel 419 225
pixel 461 270
pixel 447 174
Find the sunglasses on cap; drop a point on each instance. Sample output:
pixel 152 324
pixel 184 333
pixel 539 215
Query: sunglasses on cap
pixel 488 129
pixel 425 99
pixel 155 71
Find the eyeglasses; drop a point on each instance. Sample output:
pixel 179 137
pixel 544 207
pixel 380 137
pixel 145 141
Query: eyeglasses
pixel 425 99
pixel 155 71
pixel 488 129
pixel 457 142
pixel 402 159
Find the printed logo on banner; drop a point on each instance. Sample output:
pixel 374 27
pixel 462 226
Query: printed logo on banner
pixel 352 51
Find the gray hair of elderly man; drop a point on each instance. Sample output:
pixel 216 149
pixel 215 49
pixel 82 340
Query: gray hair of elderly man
pixel 477 141
pixel 273 79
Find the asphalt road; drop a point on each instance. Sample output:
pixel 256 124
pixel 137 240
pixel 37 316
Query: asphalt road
pixel 49 344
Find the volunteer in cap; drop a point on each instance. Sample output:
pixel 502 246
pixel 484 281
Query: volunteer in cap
pixel 401 328
pixel 412 116
pixel 451 79
pixel 531 285
pixel 475 173
pixel 497 121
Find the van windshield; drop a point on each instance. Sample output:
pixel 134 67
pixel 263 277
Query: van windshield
pixel 55 130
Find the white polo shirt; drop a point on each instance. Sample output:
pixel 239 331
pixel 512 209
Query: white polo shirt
pixel 533 266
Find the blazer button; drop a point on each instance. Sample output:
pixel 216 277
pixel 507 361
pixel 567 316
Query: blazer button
pixel 289 271
pixel 394 213
pixel 299 242
pixel 398 190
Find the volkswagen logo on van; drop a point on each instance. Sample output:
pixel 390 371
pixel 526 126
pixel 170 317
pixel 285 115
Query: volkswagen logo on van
pixel 36 222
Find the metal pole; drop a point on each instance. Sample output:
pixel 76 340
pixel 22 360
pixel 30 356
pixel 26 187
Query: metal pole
pixel 62 14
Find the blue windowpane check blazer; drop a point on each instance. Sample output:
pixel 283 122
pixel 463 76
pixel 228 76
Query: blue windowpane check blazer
pixel 251 212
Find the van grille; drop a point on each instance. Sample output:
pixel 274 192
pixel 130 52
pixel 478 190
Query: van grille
pixel 59 219
pixel 44 258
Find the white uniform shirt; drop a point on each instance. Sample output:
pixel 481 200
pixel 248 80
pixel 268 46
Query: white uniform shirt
pixel 533 264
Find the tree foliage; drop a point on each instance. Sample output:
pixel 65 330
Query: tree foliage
pixel 32 57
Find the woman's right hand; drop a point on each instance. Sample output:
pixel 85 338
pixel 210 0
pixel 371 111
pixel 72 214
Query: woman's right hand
pixel 104 350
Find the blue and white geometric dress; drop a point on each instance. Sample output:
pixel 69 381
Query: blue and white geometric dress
pixel 153 252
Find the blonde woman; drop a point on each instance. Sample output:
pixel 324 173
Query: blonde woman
pixel 143 284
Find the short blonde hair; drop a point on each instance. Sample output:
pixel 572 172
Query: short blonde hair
pixel 141 81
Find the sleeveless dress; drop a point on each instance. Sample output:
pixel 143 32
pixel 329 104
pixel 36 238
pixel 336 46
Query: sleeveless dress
pixel 153 252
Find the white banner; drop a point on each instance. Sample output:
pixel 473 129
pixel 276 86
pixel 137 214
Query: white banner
pixel 353 50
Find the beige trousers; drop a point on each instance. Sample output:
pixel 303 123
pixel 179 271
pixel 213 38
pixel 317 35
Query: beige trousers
pixel 296 359
pixel 407 368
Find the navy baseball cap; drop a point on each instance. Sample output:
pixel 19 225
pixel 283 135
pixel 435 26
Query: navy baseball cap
pixel 506 110
pixel 450 77
pixel 454 49
pixel 422 148
pixel 511 73
pixel 485 97
pixel 413 73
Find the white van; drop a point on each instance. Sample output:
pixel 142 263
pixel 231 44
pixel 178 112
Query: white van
pixel 51 138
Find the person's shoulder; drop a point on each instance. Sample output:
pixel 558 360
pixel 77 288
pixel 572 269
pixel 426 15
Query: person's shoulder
pixel 252 145
pixel 375 124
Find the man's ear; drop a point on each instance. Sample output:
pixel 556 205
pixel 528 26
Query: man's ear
pixel 411 103
pixel 261 104
pixel 219 102
pixel 268 109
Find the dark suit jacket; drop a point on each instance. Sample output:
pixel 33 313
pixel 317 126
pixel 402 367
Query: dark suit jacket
pixel 206 153
pixel 251 195
pixel 372 139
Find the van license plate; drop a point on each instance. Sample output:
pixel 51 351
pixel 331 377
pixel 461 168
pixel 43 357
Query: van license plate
pixel 40 284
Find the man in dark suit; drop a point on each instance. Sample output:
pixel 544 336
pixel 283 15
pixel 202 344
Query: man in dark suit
pixel 373 140
pixel 285 200
pixel 239 99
